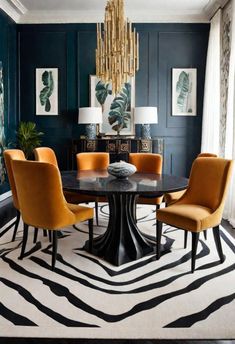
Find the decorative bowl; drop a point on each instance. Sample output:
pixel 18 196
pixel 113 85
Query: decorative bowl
pixel 121 169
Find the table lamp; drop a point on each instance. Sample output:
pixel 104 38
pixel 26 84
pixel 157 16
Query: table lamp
pixel 145 116
pixel 90 116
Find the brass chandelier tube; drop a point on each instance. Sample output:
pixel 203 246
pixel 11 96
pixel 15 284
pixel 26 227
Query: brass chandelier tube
pixel 117 53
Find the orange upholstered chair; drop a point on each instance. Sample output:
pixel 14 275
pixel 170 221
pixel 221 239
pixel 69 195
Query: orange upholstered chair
pixel 202 204
pixel 172 197
pixel 93 161
pixel 9 155
pixel 42 201
pixel 46 154
pixel 147 163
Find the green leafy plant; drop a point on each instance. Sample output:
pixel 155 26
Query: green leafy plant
pixel 28 138
pixel 102 91
pixel 46 92
pixel 119 113
pixel 184 88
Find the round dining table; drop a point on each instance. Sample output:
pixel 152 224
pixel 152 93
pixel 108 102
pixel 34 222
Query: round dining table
pixel 122 242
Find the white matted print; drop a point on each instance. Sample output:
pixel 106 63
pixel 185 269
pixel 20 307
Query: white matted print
pixel 184 92
pixel 117 110
pixel 47 91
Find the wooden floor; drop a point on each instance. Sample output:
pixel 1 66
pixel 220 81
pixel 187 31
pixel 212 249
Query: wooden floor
pixel 126 341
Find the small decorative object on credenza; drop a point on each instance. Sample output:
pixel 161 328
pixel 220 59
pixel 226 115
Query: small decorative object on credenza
pixel 90 116
pixel 121 169
pixel 145 116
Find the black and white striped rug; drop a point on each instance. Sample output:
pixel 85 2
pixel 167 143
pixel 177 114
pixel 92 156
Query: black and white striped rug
pixel 85 297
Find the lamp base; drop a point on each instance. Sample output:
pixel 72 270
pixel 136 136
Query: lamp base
pixel 91 131
pixel 145 131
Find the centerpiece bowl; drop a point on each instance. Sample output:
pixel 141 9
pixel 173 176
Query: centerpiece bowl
pixel 121 169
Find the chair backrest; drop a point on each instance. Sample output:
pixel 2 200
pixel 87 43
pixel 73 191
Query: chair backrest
pixel 208 182
pixel 207 155
pixel 92 161
pixel 9 155
pixel 45 154
pixel 146 162
pixel 40 194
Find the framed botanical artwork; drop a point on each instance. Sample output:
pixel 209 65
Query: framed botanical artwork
pixel 184 92
pixel 46 91
pixel 117 110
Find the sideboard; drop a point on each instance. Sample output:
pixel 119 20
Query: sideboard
pixel 118 147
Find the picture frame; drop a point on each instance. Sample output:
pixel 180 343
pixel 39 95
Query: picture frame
pixel 184 92
pixel 101 96
pixel 47 91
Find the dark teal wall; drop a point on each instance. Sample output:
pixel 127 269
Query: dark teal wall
pixel 71 48
pixel 8 56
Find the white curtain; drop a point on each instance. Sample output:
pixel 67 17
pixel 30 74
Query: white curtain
pixel 211 107
pixel 229 211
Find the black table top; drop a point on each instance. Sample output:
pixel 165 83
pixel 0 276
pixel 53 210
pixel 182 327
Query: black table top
pixel 101 183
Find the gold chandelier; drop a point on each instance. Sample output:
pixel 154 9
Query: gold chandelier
pixel 117 53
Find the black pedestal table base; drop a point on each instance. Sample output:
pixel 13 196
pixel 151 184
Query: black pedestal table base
pixel 122 242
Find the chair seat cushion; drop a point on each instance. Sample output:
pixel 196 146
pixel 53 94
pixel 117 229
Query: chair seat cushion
pixel 149 200
pixel 187 216
pixel 81 213
pixel 172 197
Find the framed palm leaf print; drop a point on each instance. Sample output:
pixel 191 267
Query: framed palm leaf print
pixel 184 92
pixel 117 110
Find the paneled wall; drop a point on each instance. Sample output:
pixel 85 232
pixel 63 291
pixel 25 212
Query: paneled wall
pixel 8 57
pixel 71 48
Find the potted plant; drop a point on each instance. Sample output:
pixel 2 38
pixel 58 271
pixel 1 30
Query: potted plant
pixel 28 138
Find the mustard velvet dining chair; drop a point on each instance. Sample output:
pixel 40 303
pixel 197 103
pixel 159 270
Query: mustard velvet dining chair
pixel 42 202
pixel 93 161
pixel 9 155
pixel 202 204
pixel 46 154
pixel 147 163
pixel 172 197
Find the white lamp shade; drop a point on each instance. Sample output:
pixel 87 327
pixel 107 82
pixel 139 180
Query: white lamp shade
pixel 90 115
pixel 145 115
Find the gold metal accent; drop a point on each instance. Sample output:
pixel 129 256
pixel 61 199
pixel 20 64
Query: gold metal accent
pixel 117 53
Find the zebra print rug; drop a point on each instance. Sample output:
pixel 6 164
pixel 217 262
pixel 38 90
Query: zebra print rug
pixel 85 297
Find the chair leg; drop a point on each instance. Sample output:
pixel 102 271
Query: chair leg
pixel 16 225
pixel 96 213
pixel 54 249
pixel 218 243
pixel 44 232
pixel 49 234
pixel 205 234
pixel 158 238
pixel 25 237
pixel 90 224
pixel 195 237
pixel 35 235
pixel 185 238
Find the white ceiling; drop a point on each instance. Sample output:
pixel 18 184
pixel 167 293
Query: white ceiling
pixel 92 11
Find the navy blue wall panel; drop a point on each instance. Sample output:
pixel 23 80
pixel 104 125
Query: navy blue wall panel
pixel 71 48
pixel 8 56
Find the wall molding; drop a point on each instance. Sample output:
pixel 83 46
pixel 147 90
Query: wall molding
pixel 13 8
pixel 61 17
